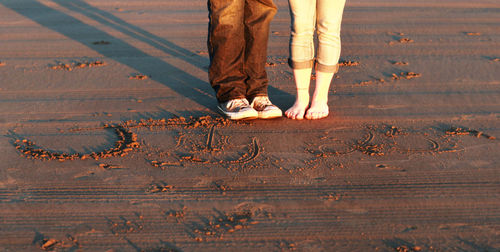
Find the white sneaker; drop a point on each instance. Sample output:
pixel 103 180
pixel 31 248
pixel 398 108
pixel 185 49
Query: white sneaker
pixel 238 109
pixel 265 109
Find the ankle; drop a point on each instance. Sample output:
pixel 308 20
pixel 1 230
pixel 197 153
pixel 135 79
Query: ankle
pixel 303 96
pixel 320 97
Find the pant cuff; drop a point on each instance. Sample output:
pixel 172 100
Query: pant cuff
pixel 252 96
pixel 327 69
pixel 228 98
pixel 300 65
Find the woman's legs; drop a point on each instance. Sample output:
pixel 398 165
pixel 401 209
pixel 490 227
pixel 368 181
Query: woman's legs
pixel 319 103
pixel 302 79
pixel 329 18
pixel 303 14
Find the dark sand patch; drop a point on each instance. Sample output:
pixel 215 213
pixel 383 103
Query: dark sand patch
pixel 77 65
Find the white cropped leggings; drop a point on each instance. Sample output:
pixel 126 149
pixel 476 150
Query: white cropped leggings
pixel 326 17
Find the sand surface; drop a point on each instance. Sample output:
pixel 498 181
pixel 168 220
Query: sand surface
pixel 106 145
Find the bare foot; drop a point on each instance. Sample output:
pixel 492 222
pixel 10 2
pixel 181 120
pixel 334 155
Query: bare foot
pixel 317 110
pixel 298 110
pixel 319 104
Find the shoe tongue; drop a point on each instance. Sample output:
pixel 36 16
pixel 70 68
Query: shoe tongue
pixel 262 100
pixel 237 103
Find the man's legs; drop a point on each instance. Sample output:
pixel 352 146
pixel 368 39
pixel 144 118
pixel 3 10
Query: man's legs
pixel 257 18
pixel 237 43
pixel 226 46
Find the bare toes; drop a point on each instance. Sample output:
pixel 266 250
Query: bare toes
pixel 295 113
pixel 314 115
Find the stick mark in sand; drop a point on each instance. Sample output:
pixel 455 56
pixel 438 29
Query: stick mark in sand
pixel 197 143
pixel 127 142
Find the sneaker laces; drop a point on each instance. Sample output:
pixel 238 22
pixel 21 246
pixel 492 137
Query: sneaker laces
pixel 261 102
pixel 237 104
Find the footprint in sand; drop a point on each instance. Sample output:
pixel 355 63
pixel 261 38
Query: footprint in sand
pixel 348 63
pixel 138 76
pixel 77 65
pixel 472 33
pixel 402 41
pixel 178 215
pixel 384 167
pixel 400 63
pixel 222 223
pixel 160 187
pixel 49 244
pixel 406 75
pixel 125 226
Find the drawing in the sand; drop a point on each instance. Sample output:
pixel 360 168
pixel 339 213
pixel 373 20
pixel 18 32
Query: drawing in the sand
pixel 196 142
pixel 406 159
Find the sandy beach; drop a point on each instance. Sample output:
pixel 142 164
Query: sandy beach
pixel 110 139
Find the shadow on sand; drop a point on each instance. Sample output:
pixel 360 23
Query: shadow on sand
pixel 165 73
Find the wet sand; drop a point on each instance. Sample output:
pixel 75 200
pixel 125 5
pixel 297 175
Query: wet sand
pixel 110 138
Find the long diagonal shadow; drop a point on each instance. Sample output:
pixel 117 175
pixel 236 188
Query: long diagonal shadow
pixel 169 75
pixel 105 18
pixel 155 41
